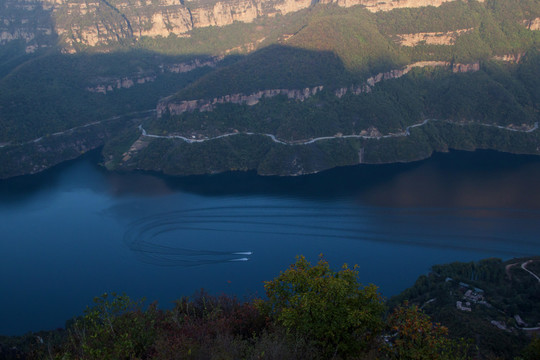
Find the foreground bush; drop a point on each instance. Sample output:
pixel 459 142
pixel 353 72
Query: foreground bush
pixel 114 328
pixel 412 336
pixel 311 312
pixel 328 308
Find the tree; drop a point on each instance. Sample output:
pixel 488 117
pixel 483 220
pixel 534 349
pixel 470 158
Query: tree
pixel 328 309
pixel 114 328
pixel 415 337
pixel 532 351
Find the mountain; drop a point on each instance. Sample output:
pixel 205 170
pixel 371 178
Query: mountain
pixel 282 87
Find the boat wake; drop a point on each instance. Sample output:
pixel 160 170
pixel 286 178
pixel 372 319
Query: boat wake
pixel 197 236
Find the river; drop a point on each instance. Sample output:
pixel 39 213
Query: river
pixel 77 231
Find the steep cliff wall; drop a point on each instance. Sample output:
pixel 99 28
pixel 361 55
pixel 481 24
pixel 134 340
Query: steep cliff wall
pixel 89 23
pixel 27 21
pixel 84 23
pixel 176 108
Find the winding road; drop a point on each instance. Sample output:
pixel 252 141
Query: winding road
pixel 311 141
pixel 80 127
pixel 271 136
pixel 524 267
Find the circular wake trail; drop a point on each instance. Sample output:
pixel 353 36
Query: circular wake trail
pixel 162 238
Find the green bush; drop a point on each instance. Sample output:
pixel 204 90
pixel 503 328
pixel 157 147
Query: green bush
pixel 114 328
pixel 415 337
pixel 330 309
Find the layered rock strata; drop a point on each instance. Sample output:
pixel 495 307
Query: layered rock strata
pixel 90 23
pixel 175 107
pixel 431 38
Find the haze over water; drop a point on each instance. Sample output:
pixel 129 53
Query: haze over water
pixel 77 231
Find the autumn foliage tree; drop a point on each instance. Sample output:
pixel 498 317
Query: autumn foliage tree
pixel 414 337
pixel 327 308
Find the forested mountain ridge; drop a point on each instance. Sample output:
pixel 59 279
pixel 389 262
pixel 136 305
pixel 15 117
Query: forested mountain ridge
pixel 281 75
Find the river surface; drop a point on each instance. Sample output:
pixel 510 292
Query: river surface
pixel 77 231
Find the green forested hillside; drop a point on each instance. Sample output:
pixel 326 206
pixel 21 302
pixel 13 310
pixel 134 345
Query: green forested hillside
pixel 497 94
pixel 365 43
pixel 50 93
pixel 492 46
pixel 502 301
pixel 491 108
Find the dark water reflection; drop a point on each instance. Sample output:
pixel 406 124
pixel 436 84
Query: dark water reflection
pixel 76 231
pixel 481 179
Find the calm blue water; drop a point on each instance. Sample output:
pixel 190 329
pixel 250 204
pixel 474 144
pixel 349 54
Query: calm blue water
pixel 76 231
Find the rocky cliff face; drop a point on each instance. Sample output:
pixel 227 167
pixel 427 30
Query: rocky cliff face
pixel 26 21
pixel 394 74
pixel 176 108
pixel 387 5
pixel 105 85
pixel 431 38
pixel 110 84
pixel 89 23
pixel 512 58
pixel 533 24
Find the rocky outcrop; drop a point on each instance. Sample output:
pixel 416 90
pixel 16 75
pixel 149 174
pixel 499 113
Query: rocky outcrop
pixel 192 65
pixel 387 5
pixel 175 108
pixel 394 74
pixel 513 58
pixel 431 38
pixel 533 24
pixel 106 85
pixel 245 48
pixel 462 68
pixel 111 84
